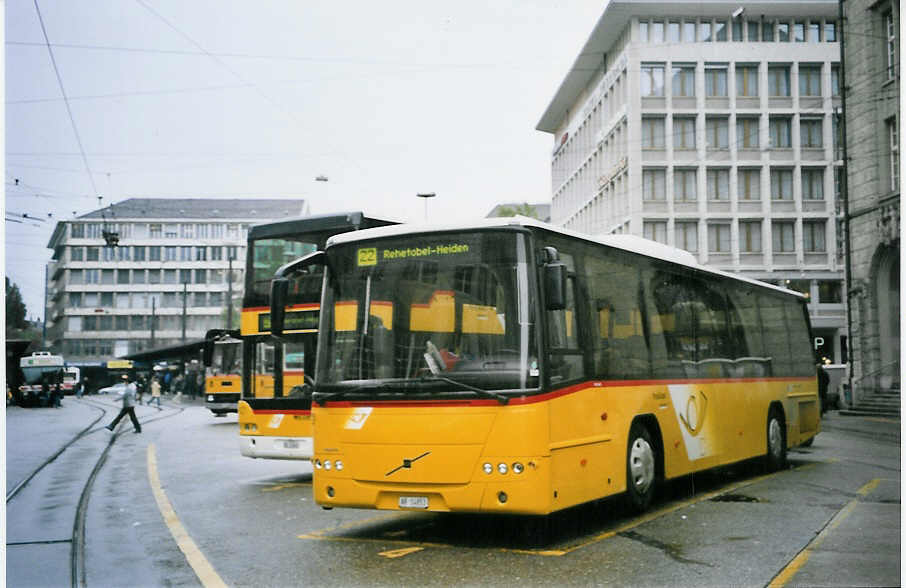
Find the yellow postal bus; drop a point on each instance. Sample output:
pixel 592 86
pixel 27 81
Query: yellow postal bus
pixel 512 367
pixel 275 403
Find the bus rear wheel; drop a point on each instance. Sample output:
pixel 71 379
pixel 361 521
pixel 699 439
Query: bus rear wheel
pixel 776 441
pixel 640 468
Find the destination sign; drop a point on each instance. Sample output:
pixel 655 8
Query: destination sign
pixel 295 320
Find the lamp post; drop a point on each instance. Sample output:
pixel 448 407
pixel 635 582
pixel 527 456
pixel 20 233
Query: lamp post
pixel 426 195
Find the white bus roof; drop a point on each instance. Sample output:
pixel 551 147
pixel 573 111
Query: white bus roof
pixel 629 243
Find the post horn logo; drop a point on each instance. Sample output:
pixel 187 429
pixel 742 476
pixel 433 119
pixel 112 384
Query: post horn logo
pixel 407 464
pixel 696 410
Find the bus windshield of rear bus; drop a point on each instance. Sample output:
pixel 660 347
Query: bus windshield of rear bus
pixel 267 256
pixel 435 313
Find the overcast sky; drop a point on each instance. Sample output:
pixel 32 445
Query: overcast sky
pixel 178 98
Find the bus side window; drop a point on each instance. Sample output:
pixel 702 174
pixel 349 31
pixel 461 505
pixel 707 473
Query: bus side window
pixel 566 354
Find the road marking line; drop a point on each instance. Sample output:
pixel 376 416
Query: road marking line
pixel 395 553
pixel 786 574
pixel 200 565
pixel 322 535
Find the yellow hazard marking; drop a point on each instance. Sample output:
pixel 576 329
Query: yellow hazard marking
pixel 394 553
pixel 786 574
pixel 200 565
pixel 287 485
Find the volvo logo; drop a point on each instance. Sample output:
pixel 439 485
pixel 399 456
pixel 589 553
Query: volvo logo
pixel 407 463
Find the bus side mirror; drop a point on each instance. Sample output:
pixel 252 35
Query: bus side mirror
pixel 207 353
pixel 555 285
pixel 279 294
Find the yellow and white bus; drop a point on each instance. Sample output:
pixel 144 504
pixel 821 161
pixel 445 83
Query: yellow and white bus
pixel 275 404
pixel 513 367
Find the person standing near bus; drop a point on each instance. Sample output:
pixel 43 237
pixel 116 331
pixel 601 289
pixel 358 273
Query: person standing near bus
pixel 128 406
pixel 155 391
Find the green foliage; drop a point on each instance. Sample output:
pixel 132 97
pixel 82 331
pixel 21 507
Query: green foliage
pixel 524 209
pixel 17 325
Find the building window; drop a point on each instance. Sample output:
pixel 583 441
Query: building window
pixel 830 31
pixel 747 132
pixel 154 276
pixel 683 81
pixel 75 299
pixel 685 185
pixel 747 80
pixel 748 184
pixel 187 231
pixel 653 133
pixel 171 230
pixel 170 276
pixel 201 254
pixel 217 231
pixel 783 233
pixel 232 252
pixel 717 134
pixel 644 34
pixel 894 142
pixel 154 253
pixel 809 80
pixel 813 183
pixel 107 276
pixel 830 291
pixel 704 31
pixel 652 80
pixel 684 133
pixel 155 230
pixel 813 237
pixel 783 32
pixel 185 253
pixel 138 276
pixel 718 184
pixel 122 276
pixel 653 181
pixel 170 253
pixel 737 30
pixel 810 133
pixel 673 32
pixel 689 31
pixel 92 254
pixel 201 276
pixel 750 236
pixel 781 184
pixel 107 299
pixel 109 254
pixel 891 33
pixel 77 231
pixel 185 276
pixel 216 253
pixel 752 30
pixel 138 253
pixel 199 299
pixel 655 231
pixel 76 253
pixel 781 133
pixel 778 80
pixel 720 30
pixel 686 235
pixel 767 31
pixel 202 230
pixel 715 80
pixel 657 32
pixel 122 300
pixel 719 237
pixel 92 276
pixel 835 80
pixel 814 31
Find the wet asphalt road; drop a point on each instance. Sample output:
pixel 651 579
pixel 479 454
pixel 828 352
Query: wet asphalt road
pixel 833 518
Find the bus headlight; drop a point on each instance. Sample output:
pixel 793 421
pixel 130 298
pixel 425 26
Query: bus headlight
pixel 210 398
pixel 518 468
pixel 338 465
pixel 317 464
pixel 326 464
pixel 488 468
pixel 502 468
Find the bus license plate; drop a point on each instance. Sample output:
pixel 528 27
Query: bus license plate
pixel 290 444
pixel 413 502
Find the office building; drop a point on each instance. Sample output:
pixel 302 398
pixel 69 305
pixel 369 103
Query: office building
pixel 165 281
pixel 710 126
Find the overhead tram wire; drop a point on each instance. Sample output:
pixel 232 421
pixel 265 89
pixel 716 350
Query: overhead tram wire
pixel 56 70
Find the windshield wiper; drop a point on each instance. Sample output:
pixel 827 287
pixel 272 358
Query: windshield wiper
pixel 480 391
pixel 323 397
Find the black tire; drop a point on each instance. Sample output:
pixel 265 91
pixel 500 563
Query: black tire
pixel 641 468
pixel 775 457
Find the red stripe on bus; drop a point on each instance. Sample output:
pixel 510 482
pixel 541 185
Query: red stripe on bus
pixel 307 306
pixel 535 398
pixel 280 411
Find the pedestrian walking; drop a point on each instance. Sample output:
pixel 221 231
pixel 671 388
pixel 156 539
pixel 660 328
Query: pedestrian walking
pixel 155 392
pixel 56 395
pixel 128 406
pixel 79 389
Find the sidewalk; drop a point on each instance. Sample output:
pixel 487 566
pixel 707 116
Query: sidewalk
pixel 880 427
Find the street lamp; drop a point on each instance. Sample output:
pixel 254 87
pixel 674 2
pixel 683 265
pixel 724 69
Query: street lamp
pixel 426 195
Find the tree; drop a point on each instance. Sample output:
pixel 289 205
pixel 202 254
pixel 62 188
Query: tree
pixel 524 209
pixel 15 307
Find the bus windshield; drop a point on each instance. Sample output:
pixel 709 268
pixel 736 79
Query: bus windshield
pixel 267 255
pixel 445 312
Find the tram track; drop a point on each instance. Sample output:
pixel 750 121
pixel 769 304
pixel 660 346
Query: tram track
pixel 77 540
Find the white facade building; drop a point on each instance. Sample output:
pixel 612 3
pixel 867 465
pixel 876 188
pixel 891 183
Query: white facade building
pixel 710 126
pixel 101 300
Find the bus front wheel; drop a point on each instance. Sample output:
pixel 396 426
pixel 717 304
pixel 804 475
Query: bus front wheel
pixel 776 445
pixel 640 468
